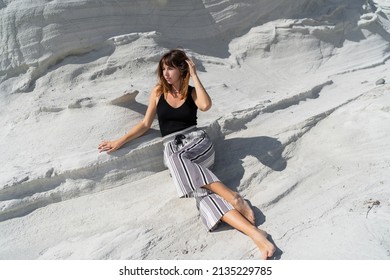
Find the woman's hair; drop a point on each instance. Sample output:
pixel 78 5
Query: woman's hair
pixel 177 59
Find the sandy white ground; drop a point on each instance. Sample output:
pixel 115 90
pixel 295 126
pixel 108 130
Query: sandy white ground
pixel 300 124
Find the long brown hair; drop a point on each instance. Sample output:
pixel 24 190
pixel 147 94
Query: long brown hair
pixel 177 59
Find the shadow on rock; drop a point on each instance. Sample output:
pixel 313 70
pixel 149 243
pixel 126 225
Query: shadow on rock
pixel 230 154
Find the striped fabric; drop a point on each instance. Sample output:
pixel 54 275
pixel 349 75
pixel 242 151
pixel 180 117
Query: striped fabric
pixel 211 209
pixel 188 155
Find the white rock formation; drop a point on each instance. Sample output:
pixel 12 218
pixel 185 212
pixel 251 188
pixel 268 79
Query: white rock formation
pixel 295 102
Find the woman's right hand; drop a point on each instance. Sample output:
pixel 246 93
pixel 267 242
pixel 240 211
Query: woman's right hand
pixel 109 146
pixel 137 130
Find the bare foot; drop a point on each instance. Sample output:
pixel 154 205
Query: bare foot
pixel 267 249
pixel 242 206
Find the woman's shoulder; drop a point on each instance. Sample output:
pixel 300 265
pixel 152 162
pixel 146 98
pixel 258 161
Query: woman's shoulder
pixel 156 93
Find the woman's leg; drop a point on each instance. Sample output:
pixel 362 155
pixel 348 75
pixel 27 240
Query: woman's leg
pixel 240 204
pixel 259 237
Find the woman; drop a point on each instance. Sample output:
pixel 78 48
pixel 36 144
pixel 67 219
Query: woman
pixel 188 151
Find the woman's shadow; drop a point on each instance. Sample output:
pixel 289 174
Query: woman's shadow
pixel 230 155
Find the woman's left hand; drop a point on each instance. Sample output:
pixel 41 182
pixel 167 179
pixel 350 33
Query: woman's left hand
pixel 191 66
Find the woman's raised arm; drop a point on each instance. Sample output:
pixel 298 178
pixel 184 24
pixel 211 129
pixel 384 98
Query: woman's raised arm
pixel 200 96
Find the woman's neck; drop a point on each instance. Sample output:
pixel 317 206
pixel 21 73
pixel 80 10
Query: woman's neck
pixel 176 88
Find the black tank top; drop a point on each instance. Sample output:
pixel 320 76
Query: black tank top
pixel 175 119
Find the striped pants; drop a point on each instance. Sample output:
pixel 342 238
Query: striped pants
pixel 189 154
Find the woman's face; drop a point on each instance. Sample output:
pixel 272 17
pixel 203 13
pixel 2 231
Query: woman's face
pixel 171 74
